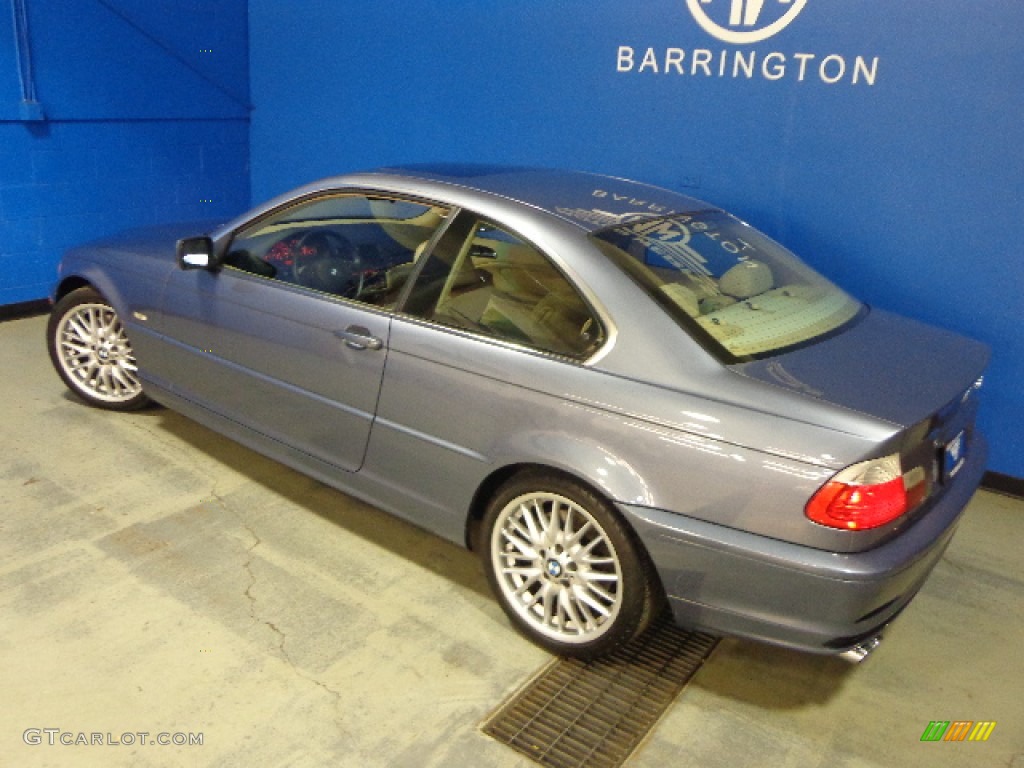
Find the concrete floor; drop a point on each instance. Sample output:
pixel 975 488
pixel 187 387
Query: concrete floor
pixel 155 577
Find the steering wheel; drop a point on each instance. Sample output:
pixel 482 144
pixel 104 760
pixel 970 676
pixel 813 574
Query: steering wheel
pixel 326 261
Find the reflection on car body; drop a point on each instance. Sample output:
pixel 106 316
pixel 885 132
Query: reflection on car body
pixel 622 400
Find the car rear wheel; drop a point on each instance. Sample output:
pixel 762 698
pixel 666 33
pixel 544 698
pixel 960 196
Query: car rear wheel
pixel 564 566
pixel 91 352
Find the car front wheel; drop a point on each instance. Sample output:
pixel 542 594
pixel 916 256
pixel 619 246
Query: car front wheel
pixel 564 566
pixel 91 352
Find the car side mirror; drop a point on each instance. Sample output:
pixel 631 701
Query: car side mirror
pixel 196 253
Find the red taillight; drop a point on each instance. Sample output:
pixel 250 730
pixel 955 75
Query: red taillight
pixel 868 495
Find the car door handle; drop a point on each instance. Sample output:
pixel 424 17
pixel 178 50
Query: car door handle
pixel 358 337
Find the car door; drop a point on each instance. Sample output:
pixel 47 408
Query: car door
pixel 488 338
pixel 289 338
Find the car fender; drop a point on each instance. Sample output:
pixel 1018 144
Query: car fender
pixel 73 276
pixel 599 466
pixel 134 294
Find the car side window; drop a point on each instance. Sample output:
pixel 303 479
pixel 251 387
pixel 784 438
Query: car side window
pixel 357 246
pixel 482 278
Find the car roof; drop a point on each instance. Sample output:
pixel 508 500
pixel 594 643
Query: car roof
pixel 591 201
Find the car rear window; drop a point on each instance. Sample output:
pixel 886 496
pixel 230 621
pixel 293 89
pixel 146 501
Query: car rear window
pixel 730 284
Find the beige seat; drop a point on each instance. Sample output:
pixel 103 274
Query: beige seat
pixel 683 297
pixel 398 274
pixel 518 270
pixel 532 298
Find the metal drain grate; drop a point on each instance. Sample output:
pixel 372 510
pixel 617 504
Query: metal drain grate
pixel 594 714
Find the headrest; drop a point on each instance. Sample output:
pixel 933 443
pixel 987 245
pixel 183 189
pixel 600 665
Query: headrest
pixel 746 279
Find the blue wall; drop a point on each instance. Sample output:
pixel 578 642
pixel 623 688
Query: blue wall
pixel 884 142
pixel 146 119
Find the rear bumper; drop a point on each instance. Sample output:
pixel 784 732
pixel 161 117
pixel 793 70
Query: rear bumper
pixel 730 582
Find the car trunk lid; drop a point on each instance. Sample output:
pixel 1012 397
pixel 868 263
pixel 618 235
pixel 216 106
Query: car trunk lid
pixel 885 365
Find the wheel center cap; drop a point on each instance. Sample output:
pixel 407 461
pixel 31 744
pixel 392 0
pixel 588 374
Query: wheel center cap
pixel 553 568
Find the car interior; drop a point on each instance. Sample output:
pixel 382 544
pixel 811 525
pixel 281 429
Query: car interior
pixel 508 289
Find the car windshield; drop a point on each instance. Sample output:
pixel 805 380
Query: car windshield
pixel 731 284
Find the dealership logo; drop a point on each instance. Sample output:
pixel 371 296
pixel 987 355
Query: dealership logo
pixel 738 23
pixel 744 21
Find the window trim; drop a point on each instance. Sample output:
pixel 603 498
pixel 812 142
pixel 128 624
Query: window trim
pixel 340 192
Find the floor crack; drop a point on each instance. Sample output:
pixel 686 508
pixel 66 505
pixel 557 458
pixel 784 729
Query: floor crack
pixel 282 638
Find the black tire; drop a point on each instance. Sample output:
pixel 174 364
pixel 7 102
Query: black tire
pixel 91 352
pixel 565 567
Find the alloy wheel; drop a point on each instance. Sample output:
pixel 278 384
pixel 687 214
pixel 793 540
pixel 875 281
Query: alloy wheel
pixel 557 567
pixel 95 354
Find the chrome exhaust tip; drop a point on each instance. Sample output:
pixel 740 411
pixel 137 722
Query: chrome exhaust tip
pixel 862 650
